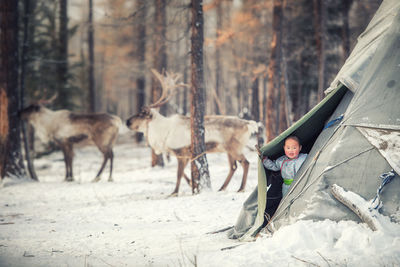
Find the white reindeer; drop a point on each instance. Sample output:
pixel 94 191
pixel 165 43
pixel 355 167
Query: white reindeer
pixel 172 134
pixel 66 128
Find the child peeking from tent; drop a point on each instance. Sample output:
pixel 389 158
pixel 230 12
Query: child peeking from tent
pixel 288 164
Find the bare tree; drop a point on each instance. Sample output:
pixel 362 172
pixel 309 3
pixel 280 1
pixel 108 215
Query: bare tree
pixel 199 164
pixel 24 61
pixel 160 61
pixel 62 64
pixel 92 92
pixel 11 163
pixel 219 108
pixel 332 35
pixel 274 73
pixel 140 55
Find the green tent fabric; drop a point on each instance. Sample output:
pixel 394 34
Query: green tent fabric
pixel 352 153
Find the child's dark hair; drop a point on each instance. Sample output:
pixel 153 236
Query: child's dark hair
pixel 293 137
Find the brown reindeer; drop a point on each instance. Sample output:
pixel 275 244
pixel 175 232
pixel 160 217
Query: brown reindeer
pixel 227 134
pixel 66 128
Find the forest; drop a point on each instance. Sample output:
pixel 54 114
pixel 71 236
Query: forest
pixel 264 60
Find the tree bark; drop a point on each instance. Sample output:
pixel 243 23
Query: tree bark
pixel 320 40
pixel 24 60
pixel 3 130
pixel 199 164
pixel 160 62
pixel 274 73
pixel 331 36
pixel 346 5
pixel 63 99
pixel 356 204
pixel 140 55
pixel 11 163
pixel 219 108
pixel 92 85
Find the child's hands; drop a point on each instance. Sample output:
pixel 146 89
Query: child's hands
pixel 260 155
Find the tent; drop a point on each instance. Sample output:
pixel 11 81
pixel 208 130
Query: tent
pixel 352 137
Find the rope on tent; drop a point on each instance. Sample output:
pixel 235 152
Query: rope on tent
pixel 334 121
pixel 386 178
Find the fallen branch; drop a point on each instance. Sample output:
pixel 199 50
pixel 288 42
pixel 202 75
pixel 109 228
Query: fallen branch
pixel 304 261
pixel 220 231
pixel 356 204
pixel 231 247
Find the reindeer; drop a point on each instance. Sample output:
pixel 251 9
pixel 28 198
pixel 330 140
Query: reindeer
pixel 66 128
pixel 227 134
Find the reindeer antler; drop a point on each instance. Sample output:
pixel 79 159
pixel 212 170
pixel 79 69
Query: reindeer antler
pixel 168 87
pixel 47 101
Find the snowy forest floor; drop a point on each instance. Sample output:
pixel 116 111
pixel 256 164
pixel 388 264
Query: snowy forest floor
pixel 133 221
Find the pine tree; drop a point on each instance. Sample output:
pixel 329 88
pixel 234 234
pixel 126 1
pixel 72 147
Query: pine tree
pixel 11 163
pixel 199 164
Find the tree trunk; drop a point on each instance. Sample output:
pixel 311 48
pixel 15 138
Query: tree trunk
pixel 283 112
pixel 219 108
pixel 11 163
pixel 140 55
pixel 331 36
pixel 199 164
pixel 320 36
pixel 274 73
pixel 3 129
pixel 357 205
pixel 160 52
pixel 160 62
pixel 255 107
pixel 92 86
pixel 346 5
pixel 62 66
pixel 24 55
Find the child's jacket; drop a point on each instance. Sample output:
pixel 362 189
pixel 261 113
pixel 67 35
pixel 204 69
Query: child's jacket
pixel 288 168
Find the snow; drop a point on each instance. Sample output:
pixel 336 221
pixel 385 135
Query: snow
pixel 133 222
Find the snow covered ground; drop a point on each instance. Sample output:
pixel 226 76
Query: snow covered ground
pixel 133 222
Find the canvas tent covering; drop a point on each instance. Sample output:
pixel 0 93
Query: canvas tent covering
pixel 361 142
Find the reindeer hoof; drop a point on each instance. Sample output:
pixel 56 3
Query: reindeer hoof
pixel 241 190
pixel 110 179
pixel 173 194
pixel 95 180
pixel 69 179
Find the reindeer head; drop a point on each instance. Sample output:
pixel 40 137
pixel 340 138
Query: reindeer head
pixel 35 109
pixel 30 111
pixel 169 85
pixel 139 121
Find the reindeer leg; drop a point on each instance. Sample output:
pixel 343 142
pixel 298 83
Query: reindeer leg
pixel 189 181
pixel 245 164
pixel 181 166
pixel 68 157
pixel 233 167
pixel 97 178
pixel 110 179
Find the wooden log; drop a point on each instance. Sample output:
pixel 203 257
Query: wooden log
pixel 356 204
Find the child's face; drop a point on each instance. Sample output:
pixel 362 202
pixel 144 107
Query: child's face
pixel 292 148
